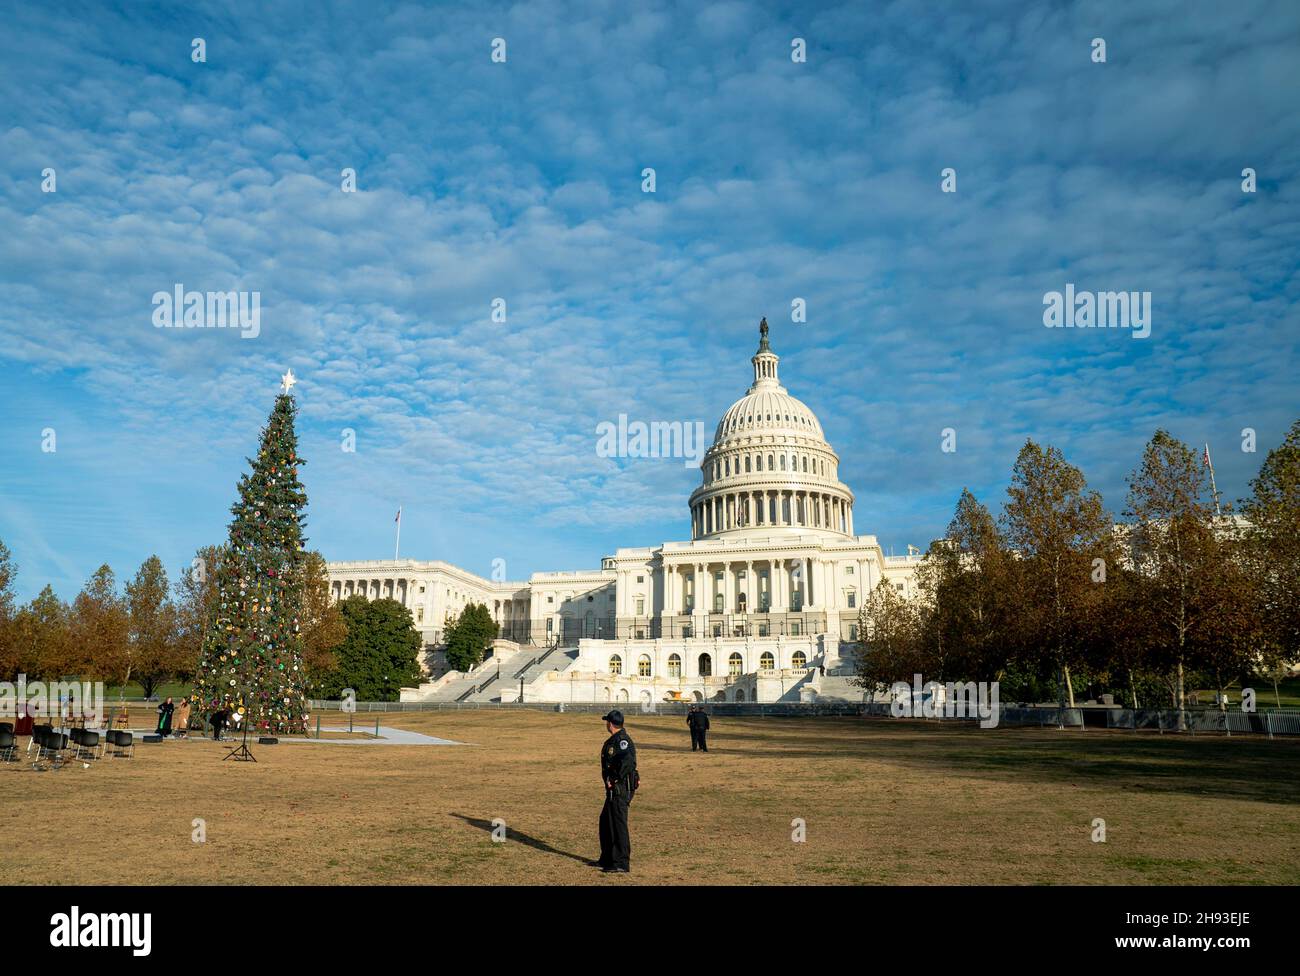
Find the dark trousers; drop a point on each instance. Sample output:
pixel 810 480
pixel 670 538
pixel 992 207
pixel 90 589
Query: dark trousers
pixel 695 738
pixel 704 743
pixel 615 844
pixel 218 724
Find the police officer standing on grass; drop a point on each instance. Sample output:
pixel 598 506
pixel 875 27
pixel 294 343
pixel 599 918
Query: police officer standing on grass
pixel 698 720
pixel 618 772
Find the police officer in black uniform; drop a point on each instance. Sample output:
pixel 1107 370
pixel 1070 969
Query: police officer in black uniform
pixel 698 720
pixel 618 773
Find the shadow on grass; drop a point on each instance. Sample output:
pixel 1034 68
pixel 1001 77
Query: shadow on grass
pixel 525 839
pixel 1207 766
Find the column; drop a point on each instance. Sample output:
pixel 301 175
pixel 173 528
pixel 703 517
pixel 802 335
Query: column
pixel 807 583
pixel 728 589
pixel 751 589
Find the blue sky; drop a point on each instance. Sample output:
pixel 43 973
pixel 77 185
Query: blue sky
pixel 522 181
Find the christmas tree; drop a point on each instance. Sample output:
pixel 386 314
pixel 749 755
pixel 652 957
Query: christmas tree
pixel 252 659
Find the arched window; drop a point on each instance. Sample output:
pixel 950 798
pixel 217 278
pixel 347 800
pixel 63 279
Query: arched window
pixel 798 660
pixel 782 462
pixel 759 462
pixel 706 666
pixel 747 468
pixel 674 666
pixel 615 664
pixel 766 660
pixel 643 665
pixel 740 695
pixel 734 664
pixel 771 465
pixel 805 464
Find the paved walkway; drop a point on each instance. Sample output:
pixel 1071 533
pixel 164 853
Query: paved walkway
pixel 388 737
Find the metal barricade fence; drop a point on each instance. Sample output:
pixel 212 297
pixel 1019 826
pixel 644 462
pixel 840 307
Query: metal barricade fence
pixel 1271 722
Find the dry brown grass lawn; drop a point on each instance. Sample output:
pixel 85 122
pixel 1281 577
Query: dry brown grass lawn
pixel 883 801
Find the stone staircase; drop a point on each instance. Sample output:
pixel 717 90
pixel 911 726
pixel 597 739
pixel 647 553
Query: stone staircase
pixel 837 688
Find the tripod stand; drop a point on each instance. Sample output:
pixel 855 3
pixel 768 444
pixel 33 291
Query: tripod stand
pixel 241 752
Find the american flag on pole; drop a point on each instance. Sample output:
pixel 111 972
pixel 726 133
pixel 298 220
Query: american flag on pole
pixel 399 513
pixel 1207 457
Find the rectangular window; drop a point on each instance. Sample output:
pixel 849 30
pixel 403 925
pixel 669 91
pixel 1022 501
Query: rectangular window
pixel 640 606
pixel 848 570
pixel 640 579
pixel 853 599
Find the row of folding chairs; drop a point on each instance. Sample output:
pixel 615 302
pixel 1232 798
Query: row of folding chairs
pixel 56 748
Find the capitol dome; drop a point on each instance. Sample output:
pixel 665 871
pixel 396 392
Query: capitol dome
pixel 770 466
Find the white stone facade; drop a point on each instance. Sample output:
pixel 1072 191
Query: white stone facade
pixel 762 596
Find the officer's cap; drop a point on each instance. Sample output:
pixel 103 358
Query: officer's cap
pixel 615 716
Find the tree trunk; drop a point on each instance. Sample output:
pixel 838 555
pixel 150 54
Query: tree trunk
pixel 1132 690
pixel 1218 679
pixel 1182 698
pixel 1069 686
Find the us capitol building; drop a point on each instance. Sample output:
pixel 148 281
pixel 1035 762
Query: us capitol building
pixel 760 605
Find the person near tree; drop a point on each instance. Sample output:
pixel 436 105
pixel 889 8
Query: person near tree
pixel 183 718
pixel 165 717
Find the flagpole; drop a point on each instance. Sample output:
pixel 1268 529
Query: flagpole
pixel 1214 489
pixel 398 546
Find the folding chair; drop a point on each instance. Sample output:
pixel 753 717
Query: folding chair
pixel 37 732
pixel 50 748
pixel 8 746
pixel 89 745
pixel 123 743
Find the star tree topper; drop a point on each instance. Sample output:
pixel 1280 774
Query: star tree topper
pixel 287 381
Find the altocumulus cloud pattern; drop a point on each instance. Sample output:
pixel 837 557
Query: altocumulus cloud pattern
pixel 522 179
